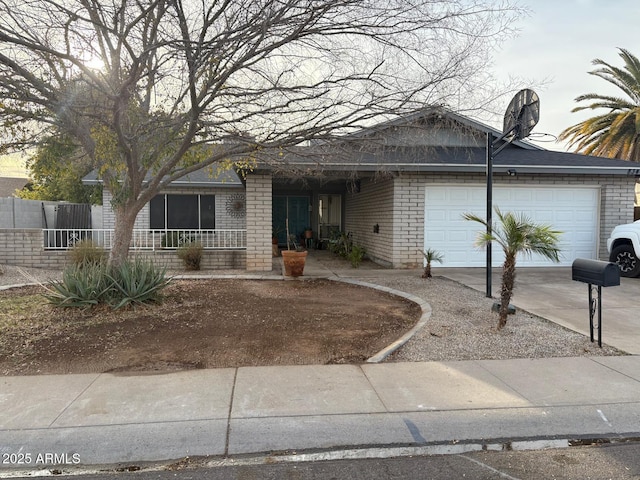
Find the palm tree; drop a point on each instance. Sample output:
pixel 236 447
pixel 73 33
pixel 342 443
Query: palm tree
pixel 431 256
pixel 615 134
pixel 516 233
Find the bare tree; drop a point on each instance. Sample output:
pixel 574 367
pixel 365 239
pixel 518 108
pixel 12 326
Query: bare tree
pixel 151 89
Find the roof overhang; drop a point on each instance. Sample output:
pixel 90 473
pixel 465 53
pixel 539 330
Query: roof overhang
pixel 467 160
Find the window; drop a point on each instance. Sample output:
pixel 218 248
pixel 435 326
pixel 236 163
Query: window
pixel 182 212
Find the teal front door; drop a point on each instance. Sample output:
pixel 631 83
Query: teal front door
pixel 296 209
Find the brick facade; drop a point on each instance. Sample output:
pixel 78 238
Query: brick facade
pixel 386 217
pixel 397 207
pixel 259 194
pixel 25 248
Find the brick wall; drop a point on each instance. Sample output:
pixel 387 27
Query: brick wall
pixel 259 222
pixel 372 205
pixel 24 247
pixel 397 206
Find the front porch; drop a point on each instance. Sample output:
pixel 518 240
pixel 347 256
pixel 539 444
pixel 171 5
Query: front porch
pixel 384 215
pixel 148 239
pixel 38 248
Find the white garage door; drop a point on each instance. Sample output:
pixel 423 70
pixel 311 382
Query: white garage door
pixel 574 211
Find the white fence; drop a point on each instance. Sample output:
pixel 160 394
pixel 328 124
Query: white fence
pixel 218 239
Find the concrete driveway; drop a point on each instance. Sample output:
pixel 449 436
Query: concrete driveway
pixel 550 293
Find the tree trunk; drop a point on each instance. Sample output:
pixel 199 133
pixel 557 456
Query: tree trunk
pixel 123 232
pixel 427 271
pixel 506 291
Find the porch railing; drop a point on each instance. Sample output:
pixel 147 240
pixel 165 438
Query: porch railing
pixel 218 239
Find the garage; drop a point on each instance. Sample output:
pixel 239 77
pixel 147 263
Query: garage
pixel 572 210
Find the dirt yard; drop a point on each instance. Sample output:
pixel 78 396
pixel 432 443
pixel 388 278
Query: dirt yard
pixel 203 324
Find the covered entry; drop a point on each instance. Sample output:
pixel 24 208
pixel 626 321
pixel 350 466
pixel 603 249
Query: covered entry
pixel 292 207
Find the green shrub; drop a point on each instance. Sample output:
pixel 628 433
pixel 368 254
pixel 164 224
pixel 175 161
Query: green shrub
pixel 356 255
pixel 191 255
pixel 86 285
pixel 86 252
pixel 340 243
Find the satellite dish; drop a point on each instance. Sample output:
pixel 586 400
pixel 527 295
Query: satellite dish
pixel 522 115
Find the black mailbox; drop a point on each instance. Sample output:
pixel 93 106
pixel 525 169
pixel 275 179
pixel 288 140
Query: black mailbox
pixel 595 272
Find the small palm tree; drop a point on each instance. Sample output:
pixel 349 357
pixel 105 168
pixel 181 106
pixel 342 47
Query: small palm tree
pixel 615 133
pixel 431 256
pixel 516 233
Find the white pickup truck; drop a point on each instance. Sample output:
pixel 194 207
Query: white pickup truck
pixel 624 248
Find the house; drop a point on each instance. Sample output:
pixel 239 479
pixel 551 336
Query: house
pixel 407 185
pixel 9 185
pixel 399 188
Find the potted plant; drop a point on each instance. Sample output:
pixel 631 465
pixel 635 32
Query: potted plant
pixel 293 259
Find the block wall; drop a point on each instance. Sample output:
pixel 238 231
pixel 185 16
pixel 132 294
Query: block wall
pixel 259 200
pixel 24 247
pixel 397 207
pixel 371 206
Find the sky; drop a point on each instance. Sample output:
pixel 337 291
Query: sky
pixel 554 50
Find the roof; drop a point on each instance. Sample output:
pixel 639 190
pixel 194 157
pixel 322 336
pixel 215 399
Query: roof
pixel 440 113
pixel 205 177
pixel 9 185
pixel 468 160
pixel 386 147
pixel 380 155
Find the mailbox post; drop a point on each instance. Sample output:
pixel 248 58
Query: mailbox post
pixel 597 274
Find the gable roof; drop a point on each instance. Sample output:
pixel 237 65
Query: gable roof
pixel 462 148
pixel 444 116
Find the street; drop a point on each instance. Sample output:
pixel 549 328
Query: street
pixel 594 462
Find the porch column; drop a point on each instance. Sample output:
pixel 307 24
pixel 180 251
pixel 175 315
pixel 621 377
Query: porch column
pixel 259 229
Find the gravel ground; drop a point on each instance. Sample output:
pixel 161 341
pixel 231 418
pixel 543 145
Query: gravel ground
pixel 11 275
pixel 461 327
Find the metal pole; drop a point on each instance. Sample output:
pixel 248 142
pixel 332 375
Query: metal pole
pixel 489 208
pixel 599 315
pixel 592 311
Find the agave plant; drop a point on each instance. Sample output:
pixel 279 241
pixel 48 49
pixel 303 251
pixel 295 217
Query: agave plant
pixel 431 256
pixel 88 284
pixel 83 285
pixel 136 282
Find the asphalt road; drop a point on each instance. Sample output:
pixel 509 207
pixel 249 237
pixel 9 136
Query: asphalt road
pixel 610 461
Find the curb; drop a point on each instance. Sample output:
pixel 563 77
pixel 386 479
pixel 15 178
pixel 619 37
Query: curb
pixel 364 452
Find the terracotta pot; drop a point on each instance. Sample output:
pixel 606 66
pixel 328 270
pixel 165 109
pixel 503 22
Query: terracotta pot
pixel 293 262
pixel 308 233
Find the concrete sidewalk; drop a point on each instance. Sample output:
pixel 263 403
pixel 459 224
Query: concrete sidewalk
pixel 117 418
